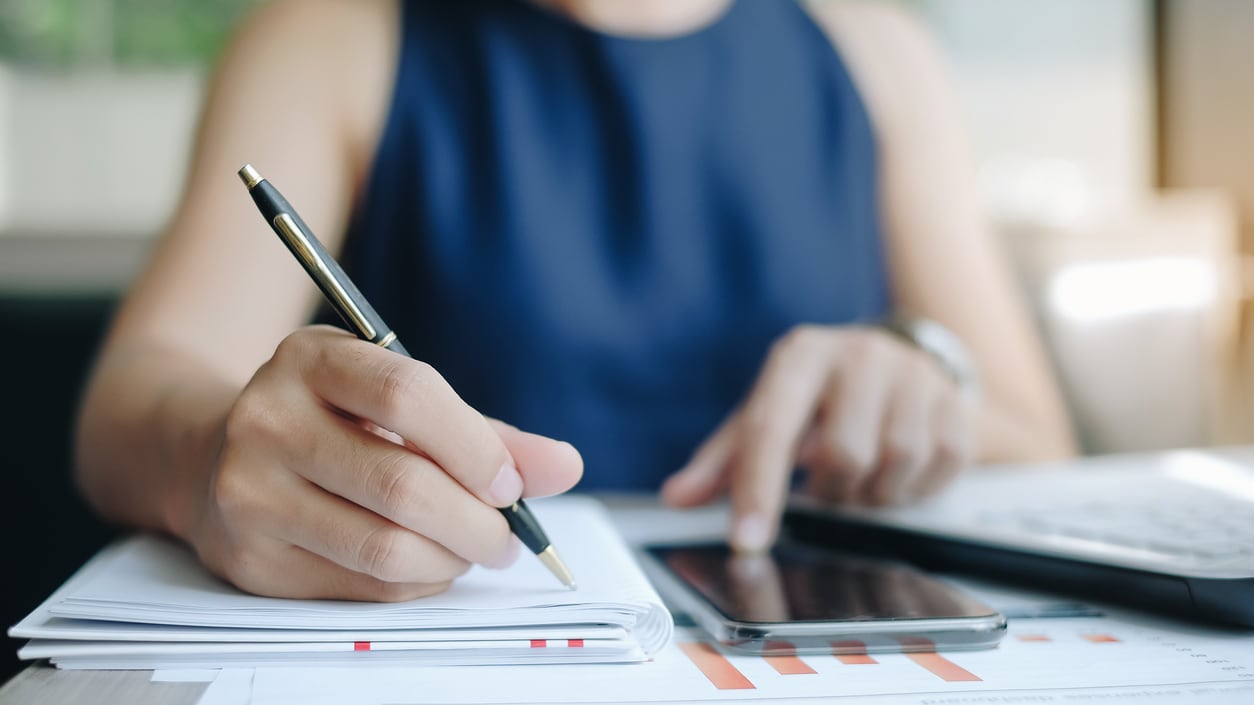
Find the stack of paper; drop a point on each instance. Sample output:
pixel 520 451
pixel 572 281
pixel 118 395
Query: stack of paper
pixel 147 603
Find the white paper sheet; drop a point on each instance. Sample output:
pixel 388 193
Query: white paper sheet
pixel 185 675
pixel 233 686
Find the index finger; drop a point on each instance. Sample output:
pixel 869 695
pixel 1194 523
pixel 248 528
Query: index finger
pixel 411 399
pixel 772 422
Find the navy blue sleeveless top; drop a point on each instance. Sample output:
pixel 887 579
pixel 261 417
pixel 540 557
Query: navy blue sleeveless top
pixel 596 237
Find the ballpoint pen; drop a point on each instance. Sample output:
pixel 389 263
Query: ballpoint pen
pixel 362 319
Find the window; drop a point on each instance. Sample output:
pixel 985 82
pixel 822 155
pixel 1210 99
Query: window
pixel 67 34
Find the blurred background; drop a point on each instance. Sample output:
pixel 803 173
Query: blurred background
pixel 1113 141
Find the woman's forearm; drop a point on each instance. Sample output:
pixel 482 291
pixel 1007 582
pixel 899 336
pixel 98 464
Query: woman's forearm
pixel 149 425
pixel 1006 436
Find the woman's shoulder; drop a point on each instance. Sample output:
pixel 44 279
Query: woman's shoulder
pixel 319 27
pixel 891 54
pixel 870 30
pixel 332 61
pixel 344 15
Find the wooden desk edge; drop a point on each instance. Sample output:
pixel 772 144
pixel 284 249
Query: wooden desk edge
pixel 43 683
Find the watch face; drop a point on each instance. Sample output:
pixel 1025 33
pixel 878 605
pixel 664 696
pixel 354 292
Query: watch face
pixel 942 344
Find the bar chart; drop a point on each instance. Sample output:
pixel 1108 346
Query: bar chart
pixel 1085 652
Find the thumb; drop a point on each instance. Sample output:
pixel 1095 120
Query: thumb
pixel 705 476
pixel 547 466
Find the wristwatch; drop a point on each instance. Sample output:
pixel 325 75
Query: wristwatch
pixel 939 342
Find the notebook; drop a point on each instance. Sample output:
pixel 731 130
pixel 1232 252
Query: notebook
pixel 147 603
pixel 1168 531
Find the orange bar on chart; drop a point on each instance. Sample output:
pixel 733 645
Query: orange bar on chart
pixel 785 661
pixel 1100 638
pixel 1032 637
pixel 940 666
pixel 715 666
pixel 852 653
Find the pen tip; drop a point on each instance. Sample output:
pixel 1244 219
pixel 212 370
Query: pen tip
pixel 554 563
pixel 249 176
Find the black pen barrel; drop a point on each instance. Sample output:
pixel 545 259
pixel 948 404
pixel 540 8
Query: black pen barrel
pixel 524 525
pixel 336 286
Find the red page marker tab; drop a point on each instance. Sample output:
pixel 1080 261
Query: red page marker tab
pixel 715 666
pixel 940 666
pixel 361 646
pixel 574 643
pixel 852 653
pixel 538 643
pixel 1100 638
pixel 784 659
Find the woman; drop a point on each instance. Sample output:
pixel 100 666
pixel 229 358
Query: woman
pixel 662 230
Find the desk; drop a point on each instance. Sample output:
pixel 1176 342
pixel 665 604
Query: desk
pixel 42 683
pixel 639 521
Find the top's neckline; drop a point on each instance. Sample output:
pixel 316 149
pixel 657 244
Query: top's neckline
pixel 707 27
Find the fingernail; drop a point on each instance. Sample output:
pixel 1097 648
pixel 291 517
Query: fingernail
pixel 676 480
pixel 751 533
pixel 751 568
pixel 507 487
pixel 508 558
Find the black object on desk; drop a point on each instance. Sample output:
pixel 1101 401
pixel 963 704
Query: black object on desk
pixel 1180 592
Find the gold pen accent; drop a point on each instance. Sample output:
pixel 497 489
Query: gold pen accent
pixel 300 244
pixel 387 339
pixel 557 566
pixel 250 176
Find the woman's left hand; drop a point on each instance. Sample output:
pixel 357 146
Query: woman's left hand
pixel 872 419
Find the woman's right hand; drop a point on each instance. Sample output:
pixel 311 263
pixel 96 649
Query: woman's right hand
pixel 309 496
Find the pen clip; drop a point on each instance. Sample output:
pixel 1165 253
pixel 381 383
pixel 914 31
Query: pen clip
pixel 315 264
